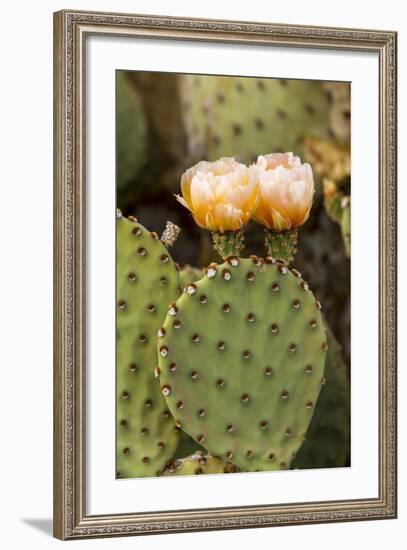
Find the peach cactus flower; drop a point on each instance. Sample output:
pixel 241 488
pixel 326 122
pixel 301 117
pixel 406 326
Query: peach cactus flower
pixel 286 189
pixel 219 194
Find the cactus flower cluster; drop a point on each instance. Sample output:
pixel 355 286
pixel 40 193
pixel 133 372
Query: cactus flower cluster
pixel 276 191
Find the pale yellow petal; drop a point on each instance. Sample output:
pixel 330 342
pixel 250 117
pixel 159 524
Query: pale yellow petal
pixel 219 194
pixel 201 192
pixel 286 189
pixel 186 185
pixel 182 201
pixel 227 218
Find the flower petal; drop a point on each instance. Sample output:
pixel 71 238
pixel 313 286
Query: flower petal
pixel 219 194
pixel 286 189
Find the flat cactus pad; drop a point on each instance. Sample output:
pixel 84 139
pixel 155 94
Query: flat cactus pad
pixel 147 281
pixel 241 361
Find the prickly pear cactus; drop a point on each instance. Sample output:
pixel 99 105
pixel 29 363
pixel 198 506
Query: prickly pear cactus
pixel 241 358
pixel 345 225
pixel 132 139
pixel 337 206
pixel 186 446
pixel 275 116
pixel 339 95
pixel 189 274
pixel 199 463
pixel 147 281
pixel 328 437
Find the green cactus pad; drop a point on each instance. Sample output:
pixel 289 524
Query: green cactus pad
pixel 345 225
pixel 241 361
pixel 199 463
pixel 277 115
pixel 186 446
pixel 190 274
pixel 328 437
pixel 147 281
pixel 132 139
pixel 337 206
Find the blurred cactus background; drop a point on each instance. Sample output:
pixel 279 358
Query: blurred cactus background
pixel 167 122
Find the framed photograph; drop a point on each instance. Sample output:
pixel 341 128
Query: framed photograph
pixel 225 274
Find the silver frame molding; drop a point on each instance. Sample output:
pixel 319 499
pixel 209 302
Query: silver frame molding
pixel 70 31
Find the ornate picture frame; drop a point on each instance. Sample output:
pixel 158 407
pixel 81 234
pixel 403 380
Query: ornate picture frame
pixel 71 30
